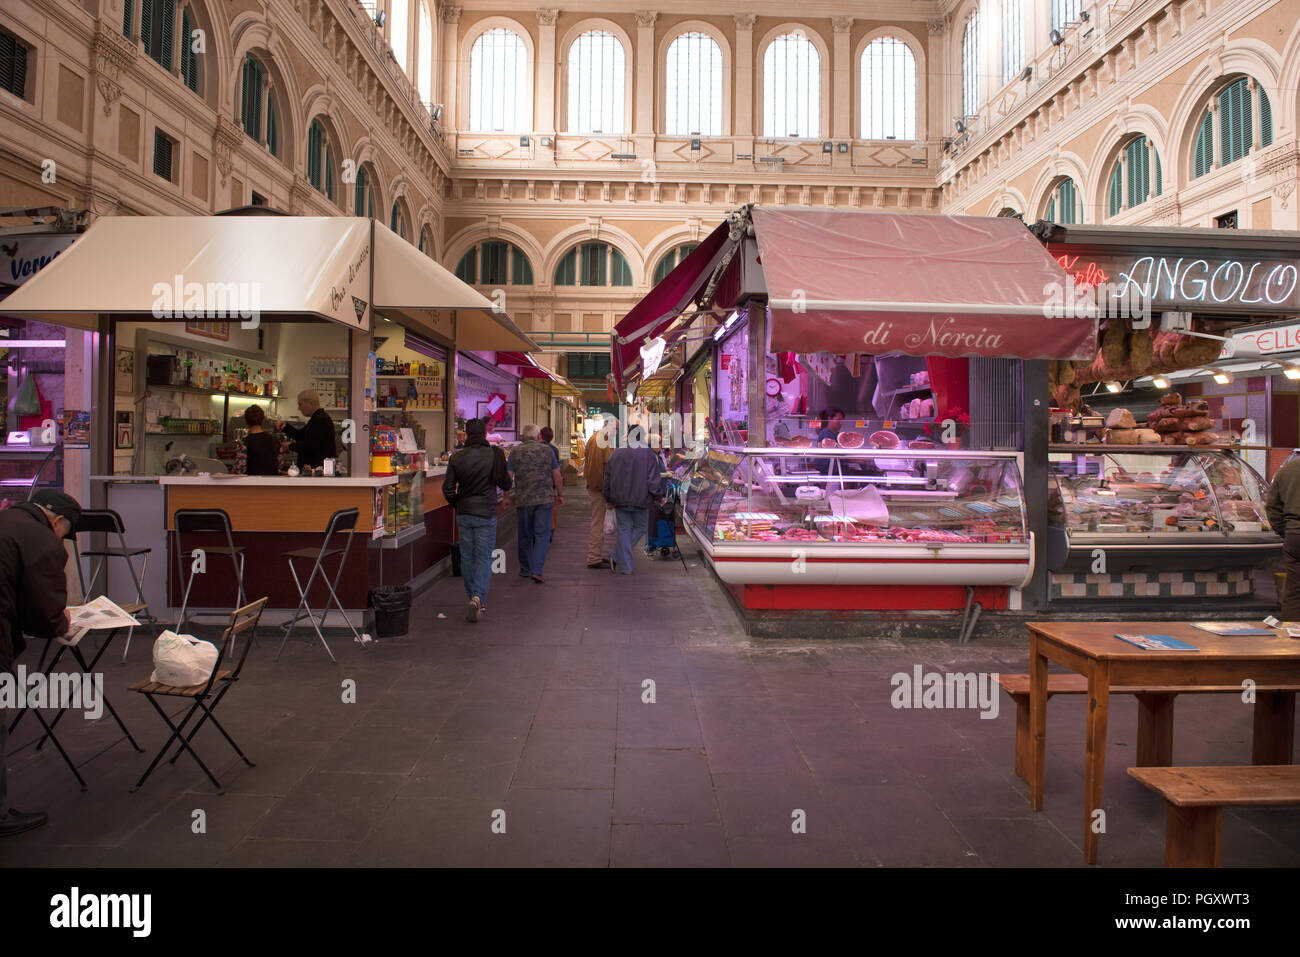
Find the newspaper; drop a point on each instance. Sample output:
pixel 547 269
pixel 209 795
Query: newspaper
pixel 100 614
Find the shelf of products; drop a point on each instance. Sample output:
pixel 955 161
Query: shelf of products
pixel 864 509
pixel 191 390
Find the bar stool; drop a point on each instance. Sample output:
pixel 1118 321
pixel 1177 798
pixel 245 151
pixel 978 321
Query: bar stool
pixel 202 521
pixel 344 520
pixel 107 522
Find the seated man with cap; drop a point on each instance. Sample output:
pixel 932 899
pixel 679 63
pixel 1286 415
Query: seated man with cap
pixel 33 600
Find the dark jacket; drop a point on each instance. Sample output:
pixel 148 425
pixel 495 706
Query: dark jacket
pixel 1284 499
pixel 33 589
pixel 632 478
pixel 262 453
pixel 473 476
pixel 314 441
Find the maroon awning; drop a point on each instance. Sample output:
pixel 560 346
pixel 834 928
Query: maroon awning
pixel 926 285
pixel 656 312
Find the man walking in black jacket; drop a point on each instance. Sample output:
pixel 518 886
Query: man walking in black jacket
pixel 473 476
pixel 33 599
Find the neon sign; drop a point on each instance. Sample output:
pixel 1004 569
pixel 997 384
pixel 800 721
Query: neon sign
pixel 1089 277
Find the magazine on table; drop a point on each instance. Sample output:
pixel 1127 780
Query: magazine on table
pixel 1157 643
pixel 1233 628
pixel 100 614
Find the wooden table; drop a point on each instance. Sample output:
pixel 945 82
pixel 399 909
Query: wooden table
pixel 1090 648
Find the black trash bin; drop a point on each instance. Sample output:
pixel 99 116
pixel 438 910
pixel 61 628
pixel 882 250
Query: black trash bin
pixel 392 605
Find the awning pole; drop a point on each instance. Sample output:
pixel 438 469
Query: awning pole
pixel 757 418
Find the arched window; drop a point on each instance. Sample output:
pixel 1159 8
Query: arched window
pixel 500 95
pixel 597 68
pixel 189 59
pixel 495 263
pixel 1131 177
pixel 671 259
pixel 398 15
pixel 257 114
pixel 320 159
pixel 888 90
pixel 593 264
pixel 1236 125
pixel 397 221
pixel 792 76
pixel 693 86
pixel 363 203
pixel 426 242
pixel 425 53
pixel 1065 13
pixel 1013 39
pixel 158 30
pixel 1063 205
pixel 970 60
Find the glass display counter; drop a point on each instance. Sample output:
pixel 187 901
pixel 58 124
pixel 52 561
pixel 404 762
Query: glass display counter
pixel 853 516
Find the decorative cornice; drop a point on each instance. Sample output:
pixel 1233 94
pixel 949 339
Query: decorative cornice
pixel 113 53
pixel 841 24
pixel 645 19
pixel 937 27
pixel 744 21
pixel 547 18
pixel 1167 210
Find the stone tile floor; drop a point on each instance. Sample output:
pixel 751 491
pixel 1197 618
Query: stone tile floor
pixel 536 718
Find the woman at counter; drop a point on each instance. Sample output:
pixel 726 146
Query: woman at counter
pixel 259 452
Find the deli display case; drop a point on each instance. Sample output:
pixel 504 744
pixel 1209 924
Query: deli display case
pixel 1156 509
pixel 860 516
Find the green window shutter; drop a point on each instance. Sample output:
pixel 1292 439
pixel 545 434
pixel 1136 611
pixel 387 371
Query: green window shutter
pixel 13 64
pixel 1139 174
pixel 359 194
pixel 252 98
pixel 1204 154
pixel 1265 119
pixel 1234 122
pixel 465 269
pixel 666 265
pixel 496 262
pixel 329 173
pixel 162 155
pixel 1160 185
pixel 313 155
pixel 521 270
pixel 1115 201
pixel 1051 209
pixel 595 265
pixel 147 25
pixel 622 272
pixel 128 10
pixel 1069 203
pixel 272 128
pixel 566 271
pixel 189 59
pixel 167 32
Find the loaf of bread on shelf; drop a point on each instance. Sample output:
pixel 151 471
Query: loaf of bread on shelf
pixel 1171 399
pixel 1121 437
pixel 1121 419
pixel 1202 438
pixel 1198 424
pixel 1165 426
pixel 1172 438
pixel 1148 437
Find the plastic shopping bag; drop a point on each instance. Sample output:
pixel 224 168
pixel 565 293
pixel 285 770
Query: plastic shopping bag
pixel 609 521
pixel 182 660
pixel 28 401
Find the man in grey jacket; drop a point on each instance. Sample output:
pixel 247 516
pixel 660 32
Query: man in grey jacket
pixel 632 483
pixel 1284 516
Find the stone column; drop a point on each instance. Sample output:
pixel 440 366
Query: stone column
pixel 451 96
pixel 937 122
pixel 744 85
pixel 1256 121
pixel 645 82
pixel 841 79
pixel 544 121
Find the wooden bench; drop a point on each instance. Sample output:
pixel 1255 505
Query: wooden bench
pixel 1274 708
pixel 1197 796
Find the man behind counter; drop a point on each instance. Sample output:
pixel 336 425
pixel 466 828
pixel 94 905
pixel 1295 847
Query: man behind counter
pixel 314 442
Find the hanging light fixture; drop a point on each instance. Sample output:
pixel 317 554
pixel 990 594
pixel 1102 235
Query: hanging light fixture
pixel 1160 382
pixel 1113 386
pixel 1222 376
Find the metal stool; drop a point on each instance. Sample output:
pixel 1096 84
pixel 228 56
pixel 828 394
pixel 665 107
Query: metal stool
pixel 107 522
pixel 344 520
pixel 199 521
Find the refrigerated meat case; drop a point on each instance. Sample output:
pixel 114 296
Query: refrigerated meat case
pixel 1156 508
pixel 860 516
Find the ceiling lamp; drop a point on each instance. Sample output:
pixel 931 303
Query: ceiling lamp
pixel 1160 382
pixel 1291 372
pixel 1113 386
pixel 1222 376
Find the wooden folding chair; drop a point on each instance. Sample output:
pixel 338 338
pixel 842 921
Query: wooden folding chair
pixel 205 696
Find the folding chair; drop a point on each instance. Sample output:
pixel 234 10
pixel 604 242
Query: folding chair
pixel 344 520
pixel 199 521
pixel 205 696
pixel 107 522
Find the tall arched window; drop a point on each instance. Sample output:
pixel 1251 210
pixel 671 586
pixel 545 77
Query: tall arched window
pixel 397 220
pixel 671 259
pixel 426 242
pixel 970 65
pixel 158 30
pixel 1063 206
pixel 888 90
pixel 1013 39
pixel 1131 181
pixel 320 159
pixel 792 77
pixel 256 103
pixel 398 16
pixel 1236 125
pixel 424 53
pixel 495 263
pixel 189 59
pixel 363 202
pixel 500 95
pixel 593 264
pixel 596 66
pixel 693 86
pixel 1065 13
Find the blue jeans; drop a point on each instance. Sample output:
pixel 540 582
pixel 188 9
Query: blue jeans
pixel 632 524
pixel 534 536
pixel 478 536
